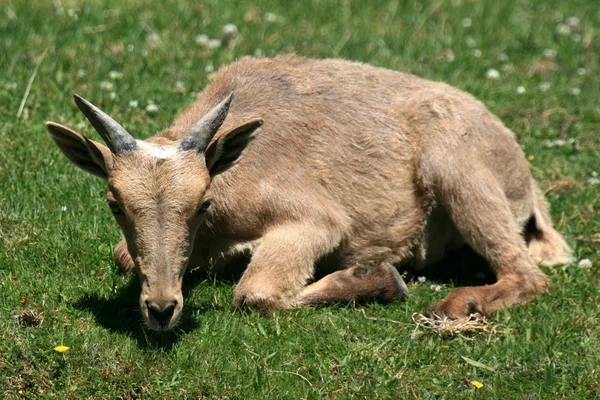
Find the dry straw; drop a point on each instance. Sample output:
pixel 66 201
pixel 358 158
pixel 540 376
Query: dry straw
pixel 472 325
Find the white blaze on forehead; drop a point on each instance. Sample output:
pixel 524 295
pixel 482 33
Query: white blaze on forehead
pixel 156 150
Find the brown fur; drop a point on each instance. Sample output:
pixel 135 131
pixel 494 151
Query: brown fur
pixel 375 166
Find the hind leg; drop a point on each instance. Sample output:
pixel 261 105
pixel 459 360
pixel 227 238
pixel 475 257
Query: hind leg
pixel 546 246
pixel 476 203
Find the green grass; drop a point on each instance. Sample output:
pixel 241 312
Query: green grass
pixel 59 263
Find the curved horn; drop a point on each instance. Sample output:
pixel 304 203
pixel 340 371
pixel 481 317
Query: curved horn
pixel 200 135
pixel 116 137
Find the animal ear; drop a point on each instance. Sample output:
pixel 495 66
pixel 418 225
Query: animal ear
pixel 226 150
pixel 88 155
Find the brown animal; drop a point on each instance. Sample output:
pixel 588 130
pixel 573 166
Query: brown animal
pixel 321 158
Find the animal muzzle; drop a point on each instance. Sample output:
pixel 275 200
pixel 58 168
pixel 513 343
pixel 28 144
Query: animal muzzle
pixel 162 311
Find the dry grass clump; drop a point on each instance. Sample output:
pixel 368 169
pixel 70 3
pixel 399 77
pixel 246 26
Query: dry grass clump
pixel 472 325
pixel 29 318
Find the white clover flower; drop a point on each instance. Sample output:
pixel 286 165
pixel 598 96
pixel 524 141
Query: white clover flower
pixel 130 47
pixel 180 87
pixel 476 53
pixel 466 22
pixel 508 68
pixel 559 143
pixel 153 38
pixel 521 89
pixel 80 125
pixel 573 22
pixel 575 91
pixel 581 71
pixel 576 37
pixel 492 74
pixel 544 86
pixel 63 208
pixel 470 41
pixel 133 103
pixel 448 40
pixel 114 75
pixel 112 95
pixel 563 29
pixel 214 44
pixel 202 40
pixel 585 263
pixel 557 15
pixel 421 279
pixel 151 108
pixel 270 17
pixel 258 53
pixel 106 85
pixel 594 174
pixel 503 57
pixel 435 288
pixel 450 56
pixel 73 13
pixel 230 30
pixel 593 181
pixel 209 68
pixel 549 53
pixel 10 85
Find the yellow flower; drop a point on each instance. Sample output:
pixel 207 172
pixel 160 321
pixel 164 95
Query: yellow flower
pixel 61 348
pixel 477 384
pixel 531 157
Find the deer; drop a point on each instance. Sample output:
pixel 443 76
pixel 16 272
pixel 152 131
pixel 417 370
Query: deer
pixel 290 161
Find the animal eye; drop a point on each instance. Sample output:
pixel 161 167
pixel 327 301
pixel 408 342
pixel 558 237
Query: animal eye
pixel 114 207
pixel 203 207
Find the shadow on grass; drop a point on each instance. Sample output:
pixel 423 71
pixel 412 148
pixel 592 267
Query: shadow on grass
pixel 119 313
pixel 461 267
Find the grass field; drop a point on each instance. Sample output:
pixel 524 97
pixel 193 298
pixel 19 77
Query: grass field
pixel 526 60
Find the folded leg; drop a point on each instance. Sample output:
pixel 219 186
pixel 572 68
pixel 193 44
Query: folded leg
pixel 480 210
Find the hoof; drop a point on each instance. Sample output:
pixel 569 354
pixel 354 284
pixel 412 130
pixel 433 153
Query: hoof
pixel 395 288
pixel 261 302
pixel 460 303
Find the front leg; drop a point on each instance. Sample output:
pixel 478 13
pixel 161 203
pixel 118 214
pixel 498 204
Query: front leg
pixel 282 265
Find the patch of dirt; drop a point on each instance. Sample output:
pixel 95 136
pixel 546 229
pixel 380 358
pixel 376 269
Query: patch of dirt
pixel 28 318
pixel 29 382
pixel 543 67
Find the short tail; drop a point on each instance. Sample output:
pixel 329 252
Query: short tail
pixel 546 246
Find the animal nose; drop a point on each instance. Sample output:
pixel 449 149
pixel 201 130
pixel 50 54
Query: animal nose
pixel 162 314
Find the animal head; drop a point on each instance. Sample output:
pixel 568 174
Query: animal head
pixel 157 193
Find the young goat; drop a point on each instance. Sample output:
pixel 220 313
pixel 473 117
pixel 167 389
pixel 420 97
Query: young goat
pixel 314 158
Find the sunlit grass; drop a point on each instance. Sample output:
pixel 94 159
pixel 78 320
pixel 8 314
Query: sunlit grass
pixel 528 61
